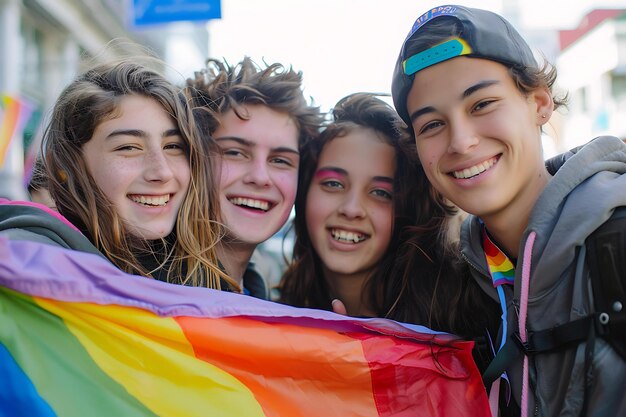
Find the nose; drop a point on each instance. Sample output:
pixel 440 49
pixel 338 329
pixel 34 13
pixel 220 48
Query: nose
pixel 257 173
pixel 352 206
pixel 157 167
pixel 463 137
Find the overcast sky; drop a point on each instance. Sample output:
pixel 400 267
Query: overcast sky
pixel 344 46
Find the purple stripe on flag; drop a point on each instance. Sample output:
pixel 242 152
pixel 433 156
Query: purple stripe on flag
pixel 53 272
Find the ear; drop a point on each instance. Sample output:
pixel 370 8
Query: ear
pixel 544 105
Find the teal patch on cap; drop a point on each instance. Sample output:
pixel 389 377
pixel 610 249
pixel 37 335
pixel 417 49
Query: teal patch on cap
pixel 438 53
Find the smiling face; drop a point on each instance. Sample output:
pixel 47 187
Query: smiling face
pixel 259 175
pixel 478 136
pixel 349 204
pixel 138 160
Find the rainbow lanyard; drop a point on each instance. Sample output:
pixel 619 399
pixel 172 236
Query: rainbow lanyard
pixel 502 272
pixel 501 268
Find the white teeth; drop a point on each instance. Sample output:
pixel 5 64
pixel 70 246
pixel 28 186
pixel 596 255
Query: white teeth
pixel 151 200
pixel 347 236
pixel 249 202
pixel 475 170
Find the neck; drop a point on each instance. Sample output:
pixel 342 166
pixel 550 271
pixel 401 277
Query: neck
pixel 349 290
pixel 235 258
pixel 507 226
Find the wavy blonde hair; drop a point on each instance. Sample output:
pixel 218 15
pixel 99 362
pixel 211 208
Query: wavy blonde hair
pixel 95 97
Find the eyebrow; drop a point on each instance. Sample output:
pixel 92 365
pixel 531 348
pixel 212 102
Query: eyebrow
pixel 483 84
pixel 335 170
pixel 250 144
pixel 383 179
pixel 140 133
pixel 468 92
pixel 343 172
pixel 419 112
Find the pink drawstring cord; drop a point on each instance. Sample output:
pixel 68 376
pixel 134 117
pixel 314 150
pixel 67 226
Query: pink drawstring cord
pixel 523 311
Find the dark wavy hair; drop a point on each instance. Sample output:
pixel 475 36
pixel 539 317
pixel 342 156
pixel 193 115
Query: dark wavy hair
pixel 420 278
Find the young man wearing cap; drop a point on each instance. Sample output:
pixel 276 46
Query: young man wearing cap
pixel 472 94
pixel 259 119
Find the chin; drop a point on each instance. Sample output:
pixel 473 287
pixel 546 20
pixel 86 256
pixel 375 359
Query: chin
pixel 151 234
pixel 340 268
pixel 247 240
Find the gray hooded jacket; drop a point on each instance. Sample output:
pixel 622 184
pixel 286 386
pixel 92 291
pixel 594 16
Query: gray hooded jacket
pixel 582 195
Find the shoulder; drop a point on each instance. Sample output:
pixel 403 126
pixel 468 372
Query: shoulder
pixel 586 181
pixel 24 220
pixel 604 148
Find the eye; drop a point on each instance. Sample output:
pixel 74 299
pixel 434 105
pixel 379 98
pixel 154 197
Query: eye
pixel 128 148
pixel 482 105
pixel 233 153
pixel 281 161
pixel 382 193
pixel 176 146
pixel 332 185
pixel 430 126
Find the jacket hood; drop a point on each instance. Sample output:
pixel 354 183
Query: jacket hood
pixel 579 198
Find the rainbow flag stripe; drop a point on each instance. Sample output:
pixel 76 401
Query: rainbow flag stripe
pixel 79 337
pixel 501 268
pixel 13 116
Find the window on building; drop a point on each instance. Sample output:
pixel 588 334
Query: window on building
pixel 618 87
pixel 32 76
pixel 32 73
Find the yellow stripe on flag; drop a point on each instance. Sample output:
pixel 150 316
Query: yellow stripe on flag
pixel 150 356
pixel 501 268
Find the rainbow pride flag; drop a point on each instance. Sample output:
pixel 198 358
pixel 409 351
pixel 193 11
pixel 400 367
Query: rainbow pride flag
pixel 14 114
pixel 80 338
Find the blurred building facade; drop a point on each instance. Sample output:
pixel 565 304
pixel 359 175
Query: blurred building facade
pixel 44 42
pixel 592 68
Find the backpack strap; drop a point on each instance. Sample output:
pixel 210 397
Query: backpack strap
pixel 503 359
pixel 555 338
pixel 606 260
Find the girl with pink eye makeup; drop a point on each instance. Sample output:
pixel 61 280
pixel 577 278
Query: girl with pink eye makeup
pixel 371 234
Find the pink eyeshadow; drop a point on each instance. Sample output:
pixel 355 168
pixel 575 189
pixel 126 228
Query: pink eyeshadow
pixel 328 173
pixel 385 185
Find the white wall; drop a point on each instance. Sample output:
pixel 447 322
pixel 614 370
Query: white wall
pixel 589 64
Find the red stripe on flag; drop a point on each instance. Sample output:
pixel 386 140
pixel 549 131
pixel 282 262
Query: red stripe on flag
pixel 442 380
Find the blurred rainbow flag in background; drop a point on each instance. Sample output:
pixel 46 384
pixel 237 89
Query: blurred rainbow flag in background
pixel 14 114
pixel 80 338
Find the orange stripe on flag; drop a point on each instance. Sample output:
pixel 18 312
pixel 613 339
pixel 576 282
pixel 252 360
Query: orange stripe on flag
pixel 292 370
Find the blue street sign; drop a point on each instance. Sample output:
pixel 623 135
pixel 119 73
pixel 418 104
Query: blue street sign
pixel 151 12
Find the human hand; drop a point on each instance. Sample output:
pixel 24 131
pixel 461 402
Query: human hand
pixel 339 307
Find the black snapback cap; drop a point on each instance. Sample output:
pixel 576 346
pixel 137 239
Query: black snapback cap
pixel 484 34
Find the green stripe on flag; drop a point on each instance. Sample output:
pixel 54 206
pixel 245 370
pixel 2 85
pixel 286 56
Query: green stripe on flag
pixel 60 368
